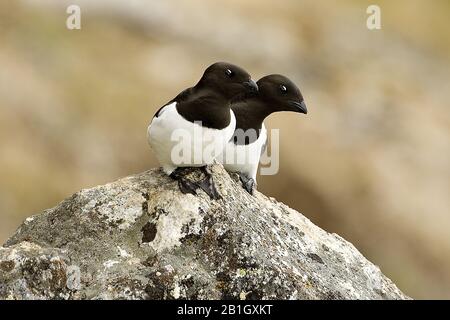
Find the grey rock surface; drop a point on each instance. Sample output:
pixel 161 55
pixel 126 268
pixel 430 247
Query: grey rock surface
pixel 140 238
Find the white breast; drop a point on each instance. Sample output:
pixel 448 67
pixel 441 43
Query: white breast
pixel 178 142
pixel 244 158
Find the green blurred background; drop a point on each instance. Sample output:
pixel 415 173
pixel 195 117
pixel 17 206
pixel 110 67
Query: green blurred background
pixel 369 162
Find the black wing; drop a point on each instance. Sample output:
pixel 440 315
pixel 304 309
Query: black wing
pixel 182 96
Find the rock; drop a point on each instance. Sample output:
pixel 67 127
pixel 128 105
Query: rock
pixel 140 238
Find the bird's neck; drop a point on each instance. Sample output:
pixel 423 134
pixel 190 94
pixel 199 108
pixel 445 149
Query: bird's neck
pixel 208 96
pixel 251 113
pixel 206 106
pixel 261 108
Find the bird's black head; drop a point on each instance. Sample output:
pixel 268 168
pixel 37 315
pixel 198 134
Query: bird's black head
pixel 281 94
pixel 227 79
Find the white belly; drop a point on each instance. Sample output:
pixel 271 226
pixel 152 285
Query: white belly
pixel 244 158
pixel 178 142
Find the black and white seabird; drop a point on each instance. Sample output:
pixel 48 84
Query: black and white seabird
pixel 202 115
pixel 242 153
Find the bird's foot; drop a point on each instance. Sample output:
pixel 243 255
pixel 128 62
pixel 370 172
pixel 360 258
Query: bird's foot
pixel 248 183
pixel 207 185
pixel 185 184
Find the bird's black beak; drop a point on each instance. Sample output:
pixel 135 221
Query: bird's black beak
pixel 251 85
pixel 298 106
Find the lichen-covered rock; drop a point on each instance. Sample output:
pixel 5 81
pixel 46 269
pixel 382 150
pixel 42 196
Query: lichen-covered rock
pixel 140 238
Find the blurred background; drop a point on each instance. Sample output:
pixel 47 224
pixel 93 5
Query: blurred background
pixel 370 161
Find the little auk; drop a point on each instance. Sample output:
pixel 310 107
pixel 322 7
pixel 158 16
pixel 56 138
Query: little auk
pixel 242 153
pixel 192 129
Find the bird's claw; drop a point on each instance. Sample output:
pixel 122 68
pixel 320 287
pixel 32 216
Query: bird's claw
pixel 207 185
pixel 188 186
pixel 248 183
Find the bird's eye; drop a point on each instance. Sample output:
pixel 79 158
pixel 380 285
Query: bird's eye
pixel 229 73
pixel 283 88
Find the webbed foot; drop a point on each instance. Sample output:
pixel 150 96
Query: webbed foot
pixel 207 185
pixel 185 184
pixel 248 183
